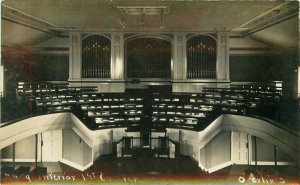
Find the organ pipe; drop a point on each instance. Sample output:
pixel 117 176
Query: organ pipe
pixel 96 57
pixel 148 58
pixel 201 57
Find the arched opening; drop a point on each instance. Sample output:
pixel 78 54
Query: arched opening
pixel 148 58
pixel 201 57
pixel 96 57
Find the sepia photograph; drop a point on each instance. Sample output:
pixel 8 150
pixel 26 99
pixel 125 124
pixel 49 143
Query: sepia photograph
pixel 149 92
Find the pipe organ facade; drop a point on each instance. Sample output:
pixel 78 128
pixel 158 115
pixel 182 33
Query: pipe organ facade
pixel 148 58
pixel 201 57
pixel 190 57
pixel 96 57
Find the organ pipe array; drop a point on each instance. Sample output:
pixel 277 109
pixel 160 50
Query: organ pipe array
pixel 96 56
pixel 148 58
pixel 201 57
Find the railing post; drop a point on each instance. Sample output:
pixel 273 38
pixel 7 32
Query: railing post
pixel 255 150
pixel 36 150
pixel 14 155
pixel 275 157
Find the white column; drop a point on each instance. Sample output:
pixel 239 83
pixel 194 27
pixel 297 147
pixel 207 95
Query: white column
pixel 179 59
pixel 223 56
pixel 75 56
pixel 117 56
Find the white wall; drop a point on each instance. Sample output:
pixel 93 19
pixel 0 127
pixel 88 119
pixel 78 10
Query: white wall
pixel 189 143
pixel 225 141
pixel 51 151
pixel 245 42
pixel 284 34
pixel 266 154
pixel 75 152
pixel 245 45
pixel 24 150
pixel 173 134
pixel 54 42
pixel 118 134
pixel 217 151
pixel 31 126
pixel 103 142
pixel 286 141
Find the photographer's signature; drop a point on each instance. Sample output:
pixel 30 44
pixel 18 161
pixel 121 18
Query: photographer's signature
pixel 260 180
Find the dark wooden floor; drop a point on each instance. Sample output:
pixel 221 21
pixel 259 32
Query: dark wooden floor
pixel 146 165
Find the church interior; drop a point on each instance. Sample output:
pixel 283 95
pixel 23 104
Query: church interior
pixel 149 92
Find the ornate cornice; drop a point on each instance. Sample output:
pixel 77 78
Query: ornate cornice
pixel 139 10
pixel 18 17
pixel 278 14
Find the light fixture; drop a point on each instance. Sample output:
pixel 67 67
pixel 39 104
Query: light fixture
pixel 126 11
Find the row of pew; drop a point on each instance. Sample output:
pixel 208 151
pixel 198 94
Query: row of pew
pixel 179 110
pixel 46 88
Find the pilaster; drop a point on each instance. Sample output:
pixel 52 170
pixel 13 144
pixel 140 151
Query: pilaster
pixel 75 56
pixel 117 56
pixel 179 59
pixel 223 56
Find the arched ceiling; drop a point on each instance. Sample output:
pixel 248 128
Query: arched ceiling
pixel 29 22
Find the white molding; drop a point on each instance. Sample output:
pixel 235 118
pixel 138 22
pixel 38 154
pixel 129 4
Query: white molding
pixel 74 165
pixel 281 163
pixel 264 130
pixel 22 18
pixel 83 136
pixel 26 160
pixel 220 166
pixel 200 81
pixel 96 80
pixel 143 30
pixel 17 160
pixel 201 165
pixel 231 146
pixel 31 126
pixel 271 17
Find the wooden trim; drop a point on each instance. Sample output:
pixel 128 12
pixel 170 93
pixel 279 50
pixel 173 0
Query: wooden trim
pixel 249 49
pixel 56 49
